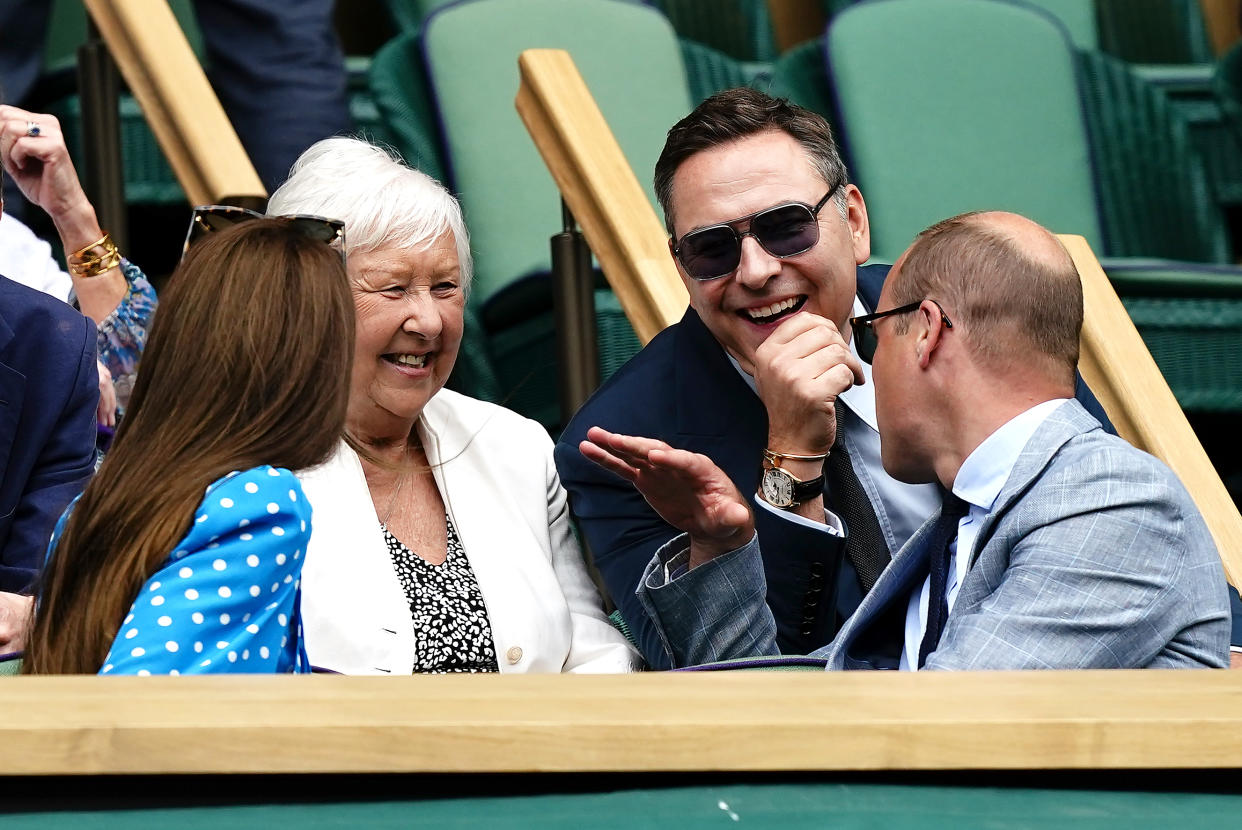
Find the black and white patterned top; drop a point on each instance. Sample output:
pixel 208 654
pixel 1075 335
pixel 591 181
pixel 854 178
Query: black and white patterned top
pixel 451 631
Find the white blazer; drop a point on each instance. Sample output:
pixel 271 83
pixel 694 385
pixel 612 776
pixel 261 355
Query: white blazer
pixel 495 472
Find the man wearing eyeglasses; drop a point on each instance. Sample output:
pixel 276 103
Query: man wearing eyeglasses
pixel 1056 545
pixel 760 375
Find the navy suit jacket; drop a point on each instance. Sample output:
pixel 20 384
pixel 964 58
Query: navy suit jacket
pixel 682 389
pixel 49 389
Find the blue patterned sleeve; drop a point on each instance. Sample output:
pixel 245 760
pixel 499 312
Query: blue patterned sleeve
pixel 123 334
pixel 226 599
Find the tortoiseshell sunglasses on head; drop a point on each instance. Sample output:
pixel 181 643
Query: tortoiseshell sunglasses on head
pixel 211 218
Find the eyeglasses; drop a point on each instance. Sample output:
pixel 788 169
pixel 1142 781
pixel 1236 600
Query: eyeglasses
pixel 865 339
pixel 783 231
pixel 212 218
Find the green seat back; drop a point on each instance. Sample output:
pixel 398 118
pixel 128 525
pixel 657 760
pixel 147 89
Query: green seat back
pixel 1155 193
pixel 709 70
pixel 630 59
pixel 955 105
pixel 800 76
pixel 398 85
pixel 1078 17
pixel 740 28
pixel 1191 320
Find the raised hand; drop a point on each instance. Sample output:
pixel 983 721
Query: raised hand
pixel 800 370
pixel 687 489
pixel 42 169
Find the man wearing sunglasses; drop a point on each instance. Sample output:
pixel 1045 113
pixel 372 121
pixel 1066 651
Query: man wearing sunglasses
pixel 1056 545
pixel 760 375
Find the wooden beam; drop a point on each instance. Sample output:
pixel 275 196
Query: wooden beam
pixel 598 184
pixel 741 721
pixel 796 21
pixel 1124 377
pixel 184 114
pixel 1220 18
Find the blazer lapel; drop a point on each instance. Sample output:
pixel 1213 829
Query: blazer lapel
pixel 474 500
pixel 1066 423
pixel 872 638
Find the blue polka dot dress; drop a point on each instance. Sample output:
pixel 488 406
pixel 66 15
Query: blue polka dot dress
pixel 226 600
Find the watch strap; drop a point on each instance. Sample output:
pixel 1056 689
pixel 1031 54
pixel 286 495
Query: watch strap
pixel 804 491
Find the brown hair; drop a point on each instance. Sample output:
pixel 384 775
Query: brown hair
pixel 247 363
pixel 739 113
pixel 1012 300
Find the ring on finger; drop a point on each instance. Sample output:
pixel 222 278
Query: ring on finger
pixel 33 129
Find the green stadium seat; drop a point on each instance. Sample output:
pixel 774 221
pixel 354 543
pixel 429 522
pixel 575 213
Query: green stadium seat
pixel 512 205
pixel 709 71
pixel 1156 197
pixel 800 75
pixel 1190 318
pixel 1078 17
pixel 954 105
pixel 980 108
pixel 741 29
pixel 399 90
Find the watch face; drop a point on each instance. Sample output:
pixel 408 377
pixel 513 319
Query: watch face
pixel 777 486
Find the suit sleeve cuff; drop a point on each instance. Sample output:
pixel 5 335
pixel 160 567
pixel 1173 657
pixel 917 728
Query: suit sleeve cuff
pixel 832 523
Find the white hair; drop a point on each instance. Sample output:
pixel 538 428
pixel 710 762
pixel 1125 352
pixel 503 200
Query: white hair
pixel 383 202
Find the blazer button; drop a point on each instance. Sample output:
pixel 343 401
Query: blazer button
pixel 514 655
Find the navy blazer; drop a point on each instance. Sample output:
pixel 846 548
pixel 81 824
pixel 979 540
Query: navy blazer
pixel 49 390
pixel 682 389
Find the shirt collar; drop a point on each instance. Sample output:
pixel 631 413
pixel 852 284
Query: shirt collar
pixel 984 472
pixel 859 399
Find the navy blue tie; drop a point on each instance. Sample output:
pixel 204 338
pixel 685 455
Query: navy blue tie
pixel 942 533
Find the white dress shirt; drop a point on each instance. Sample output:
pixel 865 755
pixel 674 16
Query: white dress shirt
pixel 27 259
pixel 979 481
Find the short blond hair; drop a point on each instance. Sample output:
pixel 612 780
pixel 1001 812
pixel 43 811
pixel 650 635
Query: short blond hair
pixel 1012 299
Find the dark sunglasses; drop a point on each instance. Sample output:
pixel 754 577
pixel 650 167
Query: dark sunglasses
pixel 865 339
pixel 210 219
pixel 783 231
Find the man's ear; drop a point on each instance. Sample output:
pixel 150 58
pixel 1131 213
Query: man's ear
pixel 930 328
pixel 859 224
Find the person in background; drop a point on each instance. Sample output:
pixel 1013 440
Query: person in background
pixel 183 554
pixel 277 67
pixel 48 397
pixel 105 286
pixel 442 540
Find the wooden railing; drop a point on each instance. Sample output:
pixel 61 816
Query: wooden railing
pixel 747 721
pixel 621 227
pixel 165 77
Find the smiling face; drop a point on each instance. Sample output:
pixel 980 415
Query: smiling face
pixel 741 178
pixel 411 307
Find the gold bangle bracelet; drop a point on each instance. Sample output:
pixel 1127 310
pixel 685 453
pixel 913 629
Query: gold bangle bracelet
pixel 97 258
pixel 104 240
pixel 773 457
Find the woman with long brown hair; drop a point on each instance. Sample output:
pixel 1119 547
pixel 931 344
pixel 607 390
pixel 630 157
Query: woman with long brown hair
pixel 184 553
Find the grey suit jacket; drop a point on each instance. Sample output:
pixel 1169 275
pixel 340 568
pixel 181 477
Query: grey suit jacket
pixel 1093 556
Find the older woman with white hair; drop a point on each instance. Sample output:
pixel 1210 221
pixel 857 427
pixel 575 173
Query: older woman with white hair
pixel 442 539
